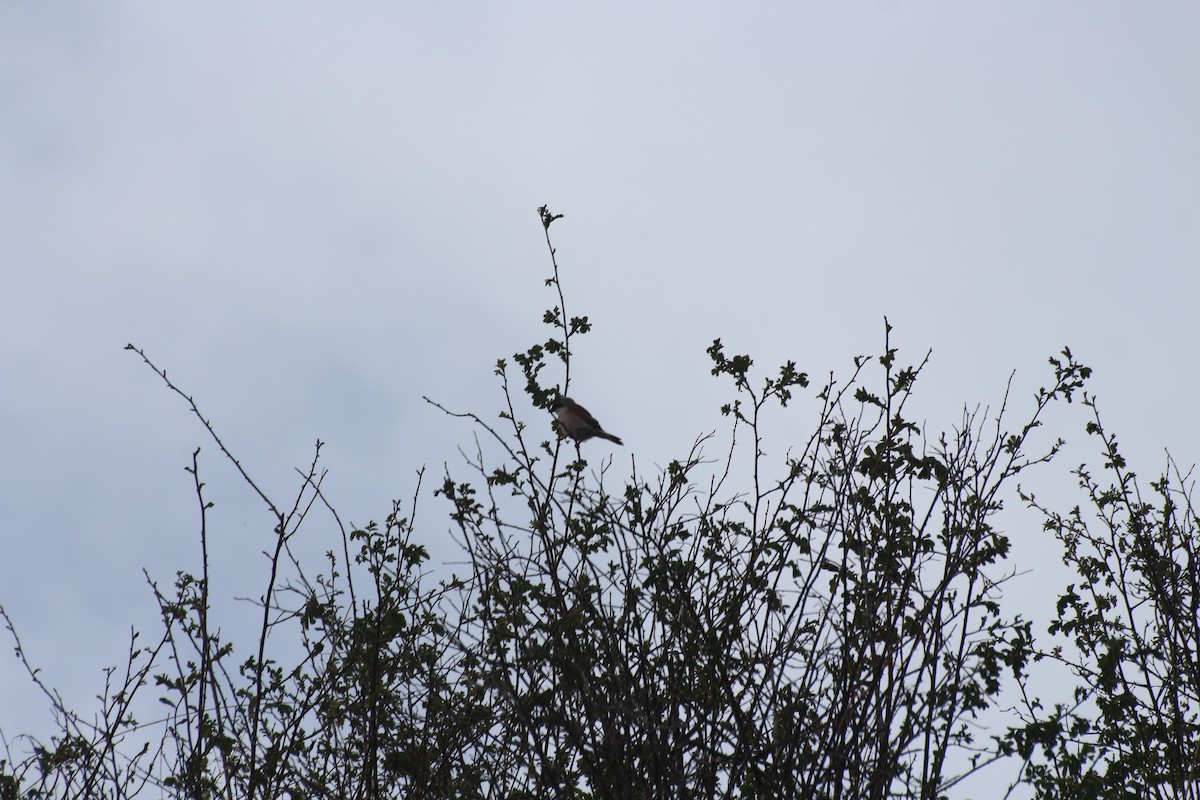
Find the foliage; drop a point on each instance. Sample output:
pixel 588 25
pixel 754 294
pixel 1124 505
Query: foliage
pixel 825 623
pixel 1129 630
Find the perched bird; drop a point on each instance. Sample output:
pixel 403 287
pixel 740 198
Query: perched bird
pixel 578 423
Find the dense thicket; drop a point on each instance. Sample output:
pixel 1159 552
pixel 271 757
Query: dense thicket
pixel 816 616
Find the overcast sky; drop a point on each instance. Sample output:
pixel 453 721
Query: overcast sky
pixel 313 214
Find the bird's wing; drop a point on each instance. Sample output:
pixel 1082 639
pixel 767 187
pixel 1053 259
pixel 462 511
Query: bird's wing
pixel 586 416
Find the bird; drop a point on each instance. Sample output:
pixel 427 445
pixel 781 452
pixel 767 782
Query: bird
pixel 578 423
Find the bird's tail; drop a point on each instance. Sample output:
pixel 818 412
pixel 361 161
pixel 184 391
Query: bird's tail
pixel 610 437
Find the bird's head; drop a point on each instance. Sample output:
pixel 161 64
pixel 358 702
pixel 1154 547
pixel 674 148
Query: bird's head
pixel 560 402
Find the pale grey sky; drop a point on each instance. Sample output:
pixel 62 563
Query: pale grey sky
pixel 312 215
